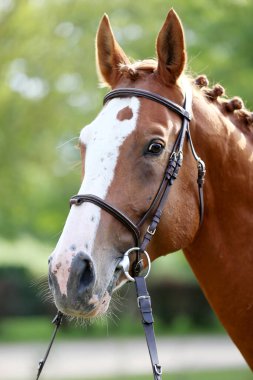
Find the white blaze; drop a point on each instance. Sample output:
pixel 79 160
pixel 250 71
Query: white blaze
pixel 103 139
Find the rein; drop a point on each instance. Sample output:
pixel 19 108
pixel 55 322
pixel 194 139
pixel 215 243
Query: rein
pixel 156 209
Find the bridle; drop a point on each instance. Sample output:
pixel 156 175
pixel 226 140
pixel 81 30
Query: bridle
pixel 171 172
pixel 154 212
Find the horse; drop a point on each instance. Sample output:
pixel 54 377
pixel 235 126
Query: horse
pixel 124 154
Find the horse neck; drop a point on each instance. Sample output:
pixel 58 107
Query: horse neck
pixel 222 253
pixel 229 161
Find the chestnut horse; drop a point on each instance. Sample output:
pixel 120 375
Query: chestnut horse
pixel 124 153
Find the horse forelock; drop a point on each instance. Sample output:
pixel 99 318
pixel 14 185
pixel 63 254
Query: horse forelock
pixel 136 69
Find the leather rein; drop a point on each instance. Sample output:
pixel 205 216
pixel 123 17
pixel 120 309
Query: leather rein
pixel 154 212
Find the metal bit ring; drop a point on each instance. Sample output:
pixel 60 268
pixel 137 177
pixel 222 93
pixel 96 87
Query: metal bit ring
pixel 124 264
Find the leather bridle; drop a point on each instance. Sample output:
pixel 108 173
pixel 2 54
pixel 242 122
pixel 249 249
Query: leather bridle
pixel 154 212
pixel 171 172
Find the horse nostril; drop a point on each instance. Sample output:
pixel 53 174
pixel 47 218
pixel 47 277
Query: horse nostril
pixel 82 268
pixel 87 275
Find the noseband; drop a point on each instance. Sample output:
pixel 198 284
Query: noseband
pixel 171 172
pixel 155 210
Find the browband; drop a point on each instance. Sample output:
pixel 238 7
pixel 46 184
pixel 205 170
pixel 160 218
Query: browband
pixel 125 92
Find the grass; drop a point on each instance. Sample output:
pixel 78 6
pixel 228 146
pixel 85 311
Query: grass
pixel 28 329
pixel 207 375
pixel 39 328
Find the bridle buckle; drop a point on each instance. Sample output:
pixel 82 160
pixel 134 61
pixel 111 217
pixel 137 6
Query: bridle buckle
pixel 151 232
pixel 158 369
pixel 141 298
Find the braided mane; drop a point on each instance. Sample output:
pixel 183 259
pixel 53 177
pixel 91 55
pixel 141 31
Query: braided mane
pixel 233 109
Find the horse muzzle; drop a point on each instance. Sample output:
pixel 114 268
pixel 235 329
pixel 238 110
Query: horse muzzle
pixel 74 290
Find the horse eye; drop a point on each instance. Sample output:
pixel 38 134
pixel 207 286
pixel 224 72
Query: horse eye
pixel 155 148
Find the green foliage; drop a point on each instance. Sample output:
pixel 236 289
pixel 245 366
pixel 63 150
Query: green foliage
pixel 25 252
pixel 49 87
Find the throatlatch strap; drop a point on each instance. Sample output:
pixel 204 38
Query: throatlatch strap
pixel 57 322
pixel 144 304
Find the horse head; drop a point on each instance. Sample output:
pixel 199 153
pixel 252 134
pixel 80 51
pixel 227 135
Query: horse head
pixel 125 151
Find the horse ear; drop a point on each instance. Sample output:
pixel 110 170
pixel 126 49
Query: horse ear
pixel 109 55
pixel 170 47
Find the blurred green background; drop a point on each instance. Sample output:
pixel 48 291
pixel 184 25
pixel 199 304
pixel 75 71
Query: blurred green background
pixel 49 91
